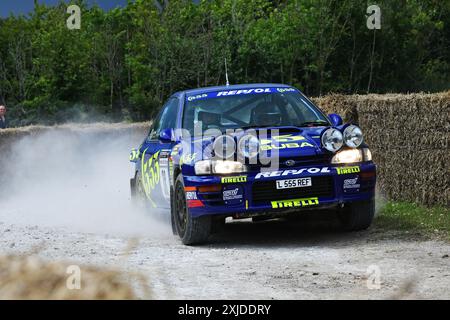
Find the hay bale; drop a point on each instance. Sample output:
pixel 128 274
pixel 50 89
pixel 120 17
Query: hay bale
pixel 414 112
pixel 29 278
pixel 343 105
pixel 409 135
pixel 418 176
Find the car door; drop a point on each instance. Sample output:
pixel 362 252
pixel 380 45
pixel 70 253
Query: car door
pixel 154 166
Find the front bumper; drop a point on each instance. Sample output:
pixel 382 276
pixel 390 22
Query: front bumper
pixel 254 193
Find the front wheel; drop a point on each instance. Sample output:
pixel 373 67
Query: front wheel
pixel 137 190
pixel 357 216
pixel 190 230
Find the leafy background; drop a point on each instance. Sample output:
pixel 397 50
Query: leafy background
pixel 124 63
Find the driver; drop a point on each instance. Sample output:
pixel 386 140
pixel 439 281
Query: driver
pixel 209 120
pixel 266 114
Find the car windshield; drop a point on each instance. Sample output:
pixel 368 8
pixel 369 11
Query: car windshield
pixel 269 107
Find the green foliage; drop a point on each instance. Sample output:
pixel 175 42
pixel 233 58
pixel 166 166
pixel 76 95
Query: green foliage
pixel 416 218
pixel 124 63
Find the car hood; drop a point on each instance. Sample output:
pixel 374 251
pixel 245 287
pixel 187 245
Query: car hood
pixel 284 142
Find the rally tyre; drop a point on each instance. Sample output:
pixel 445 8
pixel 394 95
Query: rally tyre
pixel 357 216
pixel 137 190
pixel 217 225
pixel 133 188
pixel 190 230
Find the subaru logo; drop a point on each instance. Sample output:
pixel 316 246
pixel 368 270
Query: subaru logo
pixel 290 163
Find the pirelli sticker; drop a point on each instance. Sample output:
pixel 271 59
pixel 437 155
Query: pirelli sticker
pixel 236 179
pixel 348 170
pixel 305 202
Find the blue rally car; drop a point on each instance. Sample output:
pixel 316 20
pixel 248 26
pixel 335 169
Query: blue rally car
pixel 259 151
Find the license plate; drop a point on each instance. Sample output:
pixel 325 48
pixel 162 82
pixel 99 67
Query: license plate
pixel 294 183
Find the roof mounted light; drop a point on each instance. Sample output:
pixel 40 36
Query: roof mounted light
pixel 249 146
pixel 353 136
pixel 224 146
pixel 332 139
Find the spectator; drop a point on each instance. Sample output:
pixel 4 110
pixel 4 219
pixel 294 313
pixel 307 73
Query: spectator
pixel 3 121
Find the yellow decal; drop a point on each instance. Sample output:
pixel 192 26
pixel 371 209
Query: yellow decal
pixel 134 155
pixel 150 174
pixel 306 144
pixel 286 146
pixel 348 170
pixel 171 167
pixel 236 179
pixel 289 138
pixel 283 138
pixel 295 203
pixel 175 150
pixel 187 158
pixel 287 141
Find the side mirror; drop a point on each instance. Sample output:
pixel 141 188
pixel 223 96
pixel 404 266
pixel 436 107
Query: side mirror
pixel 166 136
pixel 336 119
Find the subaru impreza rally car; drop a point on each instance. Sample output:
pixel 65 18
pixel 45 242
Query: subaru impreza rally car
pixel 260 151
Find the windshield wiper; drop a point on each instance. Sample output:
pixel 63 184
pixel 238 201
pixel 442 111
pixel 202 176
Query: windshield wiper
pixel 255 127
pixel 317 123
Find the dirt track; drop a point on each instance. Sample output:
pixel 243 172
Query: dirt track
pixel 66 197
pixel 271 260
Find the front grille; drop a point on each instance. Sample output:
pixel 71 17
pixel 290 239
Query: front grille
pixel 263 191
pixel 305 161
pixel 298 162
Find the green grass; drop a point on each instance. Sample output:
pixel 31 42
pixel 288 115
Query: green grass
pixel 406 216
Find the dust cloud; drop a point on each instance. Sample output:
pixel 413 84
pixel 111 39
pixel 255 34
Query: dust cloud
pixel 76 180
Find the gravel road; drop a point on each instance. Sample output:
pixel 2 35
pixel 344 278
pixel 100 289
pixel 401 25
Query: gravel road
pixel 270 260
pixel 66 197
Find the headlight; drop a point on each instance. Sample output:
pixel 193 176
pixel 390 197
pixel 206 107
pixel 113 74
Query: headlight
pixel 249 146
pixel 367 154
pixel 203 167
pixel 227 167
pixel 224 146
pixel 348 156
pixel 218 167
pixel 332 140
pixel 353 136
pixel 352 156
